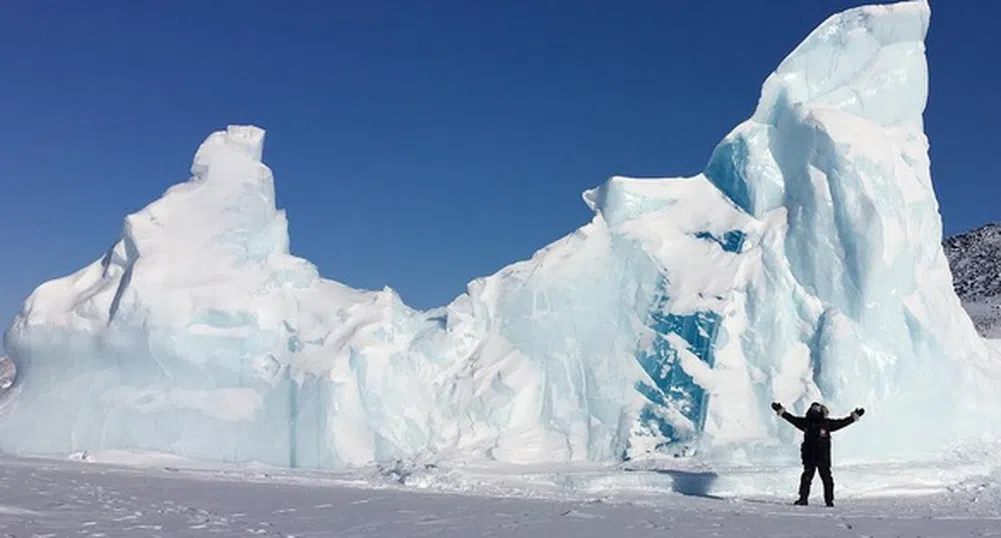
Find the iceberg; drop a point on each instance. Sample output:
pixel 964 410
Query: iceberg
pixel 803 264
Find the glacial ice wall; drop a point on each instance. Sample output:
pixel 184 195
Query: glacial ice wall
pixel 803 264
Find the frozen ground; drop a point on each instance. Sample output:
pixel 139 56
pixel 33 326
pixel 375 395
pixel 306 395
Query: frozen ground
pixel 71 498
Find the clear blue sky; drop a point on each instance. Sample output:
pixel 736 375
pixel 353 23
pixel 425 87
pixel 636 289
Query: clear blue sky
pixel 416 144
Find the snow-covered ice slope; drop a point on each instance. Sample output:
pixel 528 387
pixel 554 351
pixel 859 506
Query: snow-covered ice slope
pixel 803 264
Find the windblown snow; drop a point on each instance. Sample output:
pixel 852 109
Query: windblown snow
pixel 804 264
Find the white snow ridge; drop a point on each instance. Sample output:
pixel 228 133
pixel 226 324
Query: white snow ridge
pixel 804 264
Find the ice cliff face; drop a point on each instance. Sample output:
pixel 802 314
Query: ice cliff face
pixel 805 263
pixel 975 260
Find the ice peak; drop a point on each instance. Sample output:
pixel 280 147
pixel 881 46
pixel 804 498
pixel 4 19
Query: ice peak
pixel 868 61
pixel 859 75
pixel 239 142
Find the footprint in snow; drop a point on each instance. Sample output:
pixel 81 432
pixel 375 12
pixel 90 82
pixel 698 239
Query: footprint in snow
pixel 577 513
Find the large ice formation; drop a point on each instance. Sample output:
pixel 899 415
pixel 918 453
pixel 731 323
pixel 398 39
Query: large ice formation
pixel 804 263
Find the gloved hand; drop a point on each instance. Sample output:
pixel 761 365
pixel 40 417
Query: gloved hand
pixel 777 407
pixel 859 411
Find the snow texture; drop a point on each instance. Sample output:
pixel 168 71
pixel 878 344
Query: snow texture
pixel 46 498
pixel 975 261
pixel 804 264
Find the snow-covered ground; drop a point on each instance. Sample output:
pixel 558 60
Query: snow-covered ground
pixel 73 498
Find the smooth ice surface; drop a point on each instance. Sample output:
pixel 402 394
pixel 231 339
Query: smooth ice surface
pixel 804 263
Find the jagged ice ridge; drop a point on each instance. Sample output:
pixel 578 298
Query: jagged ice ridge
pixel 804 263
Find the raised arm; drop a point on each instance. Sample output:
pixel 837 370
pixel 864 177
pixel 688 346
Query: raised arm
pixel 798 422
pixel 839 423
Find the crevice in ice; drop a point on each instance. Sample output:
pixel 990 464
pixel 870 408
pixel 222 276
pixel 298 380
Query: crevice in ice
pixel 732 241
pixel 131 255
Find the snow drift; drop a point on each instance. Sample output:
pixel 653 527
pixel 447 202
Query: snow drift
pixel 804 263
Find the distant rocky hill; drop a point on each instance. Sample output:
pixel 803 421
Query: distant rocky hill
pixel 975 259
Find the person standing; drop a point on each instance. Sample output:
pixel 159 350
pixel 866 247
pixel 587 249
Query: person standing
pixel 815 451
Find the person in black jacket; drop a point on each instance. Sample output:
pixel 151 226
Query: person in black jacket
pixel 816 448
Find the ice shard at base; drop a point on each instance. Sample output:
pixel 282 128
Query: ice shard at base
pixel 804 264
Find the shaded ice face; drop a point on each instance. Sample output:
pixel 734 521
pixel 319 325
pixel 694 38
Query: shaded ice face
pixel 7 373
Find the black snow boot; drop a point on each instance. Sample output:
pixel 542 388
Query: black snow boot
pixel 801 502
